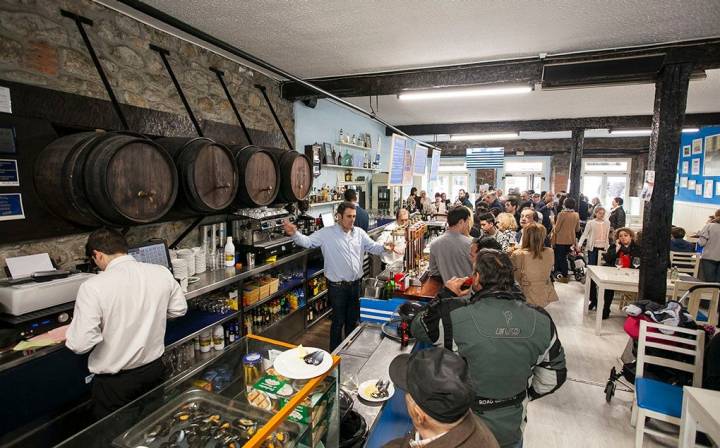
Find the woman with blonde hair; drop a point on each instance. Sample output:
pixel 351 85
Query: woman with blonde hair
pixel 533 265
pixel 507 225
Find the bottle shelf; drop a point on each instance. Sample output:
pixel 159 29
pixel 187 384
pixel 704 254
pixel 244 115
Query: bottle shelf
pixel 350 145
pixel 318 319
pixel 319 296
pixel 359 168
pixel 318 204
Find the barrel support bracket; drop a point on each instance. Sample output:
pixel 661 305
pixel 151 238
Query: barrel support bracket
pixel 163 55
pixel 220 77
pixel 80 21
pixel 263 89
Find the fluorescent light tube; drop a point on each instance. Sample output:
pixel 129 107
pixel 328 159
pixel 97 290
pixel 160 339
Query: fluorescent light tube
pixel 441 93
pixel 501 136
pixel 642 132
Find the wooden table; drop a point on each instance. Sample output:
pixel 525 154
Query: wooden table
pixel 701 407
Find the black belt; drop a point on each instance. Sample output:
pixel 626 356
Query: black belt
pixel 344 283
pixel 487 404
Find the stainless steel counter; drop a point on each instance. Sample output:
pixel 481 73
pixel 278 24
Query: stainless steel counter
pixel 366 355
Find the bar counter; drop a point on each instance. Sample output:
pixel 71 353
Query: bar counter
pixel 425 292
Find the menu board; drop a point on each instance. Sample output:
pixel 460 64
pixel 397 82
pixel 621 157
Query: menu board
pixel 434 164
pixel 420 160
pixel 397 160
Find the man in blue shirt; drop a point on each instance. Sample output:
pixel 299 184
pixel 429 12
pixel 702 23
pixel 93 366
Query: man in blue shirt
pixel 362 219
pixel 678 243
pixel 343 247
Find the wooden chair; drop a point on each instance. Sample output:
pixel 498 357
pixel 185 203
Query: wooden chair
pixel 655 399
pixel 699 293
pixel 685 262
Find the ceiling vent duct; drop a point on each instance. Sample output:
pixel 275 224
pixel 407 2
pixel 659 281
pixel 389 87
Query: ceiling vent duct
pixel 640 69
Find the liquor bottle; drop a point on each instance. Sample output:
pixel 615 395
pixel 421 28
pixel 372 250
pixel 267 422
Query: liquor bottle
pixel 342 137
pixel 347 158
pixel 366 161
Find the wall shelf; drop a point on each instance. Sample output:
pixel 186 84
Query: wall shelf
pixel 318 319
pixel 319 296
pixel 328 165
pixel 350 145
pixel 318 204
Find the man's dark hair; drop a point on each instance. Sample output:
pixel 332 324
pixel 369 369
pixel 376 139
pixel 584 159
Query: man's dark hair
pixel 486 242
pixel 486 217
pixel 437 195
pixel 107 241
pixel 350 195
pixel 397 213
pixel 619 201
pixel 569 203
pixel 456 214
pixel 677 232
pixel 512 201
pixel 495 269
pixel 525 205
pixel 495 211
pixel 344 206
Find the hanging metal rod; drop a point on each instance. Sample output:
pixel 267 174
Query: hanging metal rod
pixel 80 21
pixel 220 74
pixel 263 89
pixel 222 45
pixel 163 55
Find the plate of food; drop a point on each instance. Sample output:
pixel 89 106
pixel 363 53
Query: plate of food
pixel 302 363
pixel 376 391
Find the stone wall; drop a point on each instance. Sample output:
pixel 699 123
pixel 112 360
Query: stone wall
pixel 40 47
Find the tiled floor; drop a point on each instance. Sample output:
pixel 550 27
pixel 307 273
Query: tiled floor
pixel 577 415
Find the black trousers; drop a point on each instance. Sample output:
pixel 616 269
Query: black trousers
pixel 111 392
pixel 609 295
pixel 345 302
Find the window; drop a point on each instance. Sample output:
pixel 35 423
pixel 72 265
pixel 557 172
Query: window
pixel 524 167
pixel 605 179
pixel 606 165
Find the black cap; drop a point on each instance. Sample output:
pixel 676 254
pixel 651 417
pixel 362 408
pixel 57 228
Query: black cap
pixel 437 380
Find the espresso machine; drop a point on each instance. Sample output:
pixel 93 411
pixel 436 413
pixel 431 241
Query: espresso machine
pixel 260 231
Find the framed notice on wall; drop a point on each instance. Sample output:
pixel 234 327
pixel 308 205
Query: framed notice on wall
pixel 711 165
pixel 397 160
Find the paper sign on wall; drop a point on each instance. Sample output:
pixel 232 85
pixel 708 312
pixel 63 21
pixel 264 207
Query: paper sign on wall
pixel 7 140
pixel 5 101
pixel 648 186
pixel 685 167
pixel 695 167
pixel 708 189
pixel 698 189
pixel 717 188
pixel 683 182
pixel 11 207
pixel 397 159
pixel 434 164
pixel 9 176
pixel 420 160
pixel 408 166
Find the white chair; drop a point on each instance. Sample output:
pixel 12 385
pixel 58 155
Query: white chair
pixel 685 262
pixel 698 293
pixel 655 399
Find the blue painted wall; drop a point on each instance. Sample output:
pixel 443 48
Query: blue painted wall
pixel 685 194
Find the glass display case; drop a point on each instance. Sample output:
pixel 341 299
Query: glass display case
pixel 237 399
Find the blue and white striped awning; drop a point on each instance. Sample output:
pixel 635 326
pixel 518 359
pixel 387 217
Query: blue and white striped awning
pixel 484 157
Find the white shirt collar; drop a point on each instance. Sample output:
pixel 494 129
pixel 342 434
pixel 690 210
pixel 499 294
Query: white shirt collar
pixel 119 260
pixel 418 442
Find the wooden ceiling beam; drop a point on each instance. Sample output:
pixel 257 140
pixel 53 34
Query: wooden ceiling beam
pixel 549 125
pixel 704 54
pixel 534 147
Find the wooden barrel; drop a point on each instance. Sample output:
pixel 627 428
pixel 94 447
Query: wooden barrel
pixel 106 178
pixel 259 182
pixel 207 173
pixel 296 178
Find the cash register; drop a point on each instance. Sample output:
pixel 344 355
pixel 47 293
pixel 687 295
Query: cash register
pixel 37 297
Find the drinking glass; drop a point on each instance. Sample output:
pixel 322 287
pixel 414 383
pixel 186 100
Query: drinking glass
pixel 636 262
pixel 618 262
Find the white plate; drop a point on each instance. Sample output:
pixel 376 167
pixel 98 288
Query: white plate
pixel 290 364
pixel 367 387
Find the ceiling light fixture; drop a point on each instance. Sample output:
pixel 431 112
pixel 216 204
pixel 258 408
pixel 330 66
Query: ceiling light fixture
pixel 643 132
pixel 444 93
pixel 500 136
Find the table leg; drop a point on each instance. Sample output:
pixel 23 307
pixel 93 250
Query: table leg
pixel 588 285
pixel 688 426
pixel 600 307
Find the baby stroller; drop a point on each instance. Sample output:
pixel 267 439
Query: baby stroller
pixel 576 264
pixel 652 312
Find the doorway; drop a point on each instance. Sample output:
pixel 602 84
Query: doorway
pixel 605 179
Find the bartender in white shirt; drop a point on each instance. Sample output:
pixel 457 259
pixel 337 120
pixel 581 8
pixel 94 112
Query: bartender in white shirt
pixel 120 315
pixel 394 259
